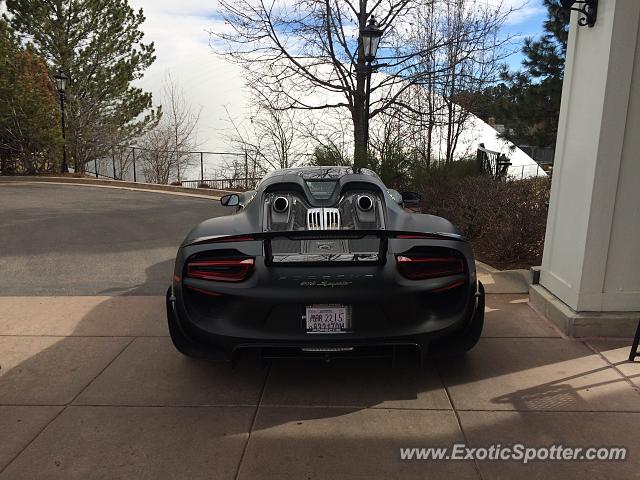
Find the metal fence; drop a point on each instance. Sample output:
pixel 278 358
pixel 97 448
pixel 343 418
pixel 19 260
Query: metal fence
pixel 520 172
pixel 132 163
pixel 542 155
pixel 240 183
pixel 492 163
pixel 499 166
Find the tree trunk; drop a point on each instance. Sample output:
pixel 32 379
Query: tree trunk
pixel 359 113
pixel 359 136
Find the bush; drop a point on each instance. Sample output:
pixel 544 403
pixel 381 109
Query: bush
pixel 448 171
pixel 176 184
pixel 203 185
pixel 510 221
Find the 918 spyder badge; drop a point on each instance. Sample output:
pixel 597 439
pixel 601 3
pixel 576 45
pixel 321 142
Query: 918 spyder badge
pixel 324 283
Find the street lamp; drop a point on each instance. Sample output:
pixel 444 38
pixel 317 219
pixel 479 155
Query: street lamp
pixel 61 84
pixel 588 9
pixel 370 37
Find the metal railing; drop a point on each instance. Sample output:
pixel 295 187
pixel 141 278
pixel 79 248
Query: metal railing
pixel 241 183
pixel 520 172
pixel 492 163
pixel 499 166
pixel 130 163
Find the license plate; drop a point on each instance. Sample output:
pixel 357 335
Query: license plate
pixel 328 318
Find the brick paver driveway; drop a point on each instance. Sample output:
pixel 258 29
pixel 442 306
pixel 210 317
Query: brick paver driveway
pixel 90 386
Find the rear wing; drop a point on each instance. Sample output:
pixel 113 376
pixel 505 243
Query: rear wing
pixel 312 247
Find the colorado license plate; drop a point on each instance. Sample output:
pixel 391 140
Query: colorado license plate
pixel 328 318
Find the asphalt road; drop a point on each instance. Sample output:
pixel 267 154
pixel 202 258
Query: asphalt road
pixel 82 240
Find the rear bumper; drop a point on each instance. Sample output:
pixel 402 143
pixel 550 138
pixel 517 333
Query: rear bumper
pixel 260 325
pixel 265 311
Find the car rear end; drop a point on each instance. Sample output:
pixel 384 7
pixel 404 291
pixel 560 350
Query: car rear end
pixel 329 280
pixel 232 295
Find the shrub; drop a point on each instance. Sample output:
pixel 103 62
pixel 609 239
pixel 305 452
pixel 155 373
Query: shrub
pixel 510 221
pixel 203 185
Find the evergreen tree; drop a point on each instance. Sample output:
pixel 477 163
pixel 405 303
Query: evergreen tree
pixel 29 117
pixel 99 45
pixel 328 156
pixel 528 103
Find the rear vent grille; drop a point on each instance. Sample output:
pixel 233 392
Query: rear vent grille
pixel 331 219
pixel 323 219
pixel 314 219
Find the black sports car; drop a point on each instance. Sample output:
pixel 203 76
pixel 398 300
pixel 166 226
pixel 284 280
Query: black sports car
pixel 324 261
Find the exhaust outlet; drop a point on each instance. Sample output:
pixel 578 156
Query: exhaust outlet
pixel 280 204
pixel 365 203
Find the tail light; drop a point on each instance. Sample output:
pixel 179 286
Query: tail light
pixel 422 268
pixel 222 239
pixel 221 270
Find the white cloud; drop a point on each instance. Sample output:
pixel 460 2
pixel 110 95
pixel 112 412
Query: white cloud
pixel 522 10
pixel 180 33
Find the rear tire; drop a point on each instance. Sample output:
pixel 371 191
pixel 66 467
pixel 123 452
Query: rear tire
pixel 181 341
pixel 467 339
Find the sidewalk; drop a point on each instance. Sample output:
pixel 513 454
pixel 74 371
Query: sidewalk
pixel 91 387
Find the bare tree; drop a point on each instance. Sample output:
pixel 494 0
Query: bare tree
pixel 242 139
pixel 466 76
pixel 328 134
pixel 181 118
pixel 305 54
pixel 157 159
pixel 440 104
pixel 168 145
pixel 270 139
pixel 392 156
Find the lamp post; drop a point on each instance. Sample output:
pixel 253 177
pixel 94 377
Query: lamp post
pixel 587 8
pixel 370 38
pixel 61 84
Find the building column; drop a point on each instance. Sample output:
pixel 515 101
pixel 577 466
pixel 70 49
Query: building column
pixel 590 275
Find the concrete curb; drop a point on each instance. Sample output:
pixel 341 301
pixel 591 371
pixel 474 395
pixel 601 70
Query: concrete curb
pixel 582 324
pixel 139 186
pixel 487 267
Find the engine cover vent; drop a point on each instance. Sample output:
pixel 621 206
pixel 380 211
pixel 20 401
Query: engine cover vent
pixel 323 219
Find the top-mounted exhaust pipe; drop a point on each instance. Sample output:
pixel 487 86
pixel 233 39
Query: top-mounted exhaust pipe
pixel 280 204
pixel 365 203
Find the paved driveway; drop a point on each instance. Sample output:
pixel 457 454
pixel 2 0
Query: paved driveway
pixel 90 386
pixel 84 240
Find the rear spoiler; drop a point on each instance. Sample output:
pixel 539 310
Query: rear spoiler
pixel 325 234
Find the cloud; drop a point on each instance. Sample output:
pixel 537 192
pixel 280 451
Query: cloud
pixel 179 31
pixel 522 10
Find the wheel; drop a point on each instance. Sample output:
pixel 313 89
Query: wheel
pixel 181 341
pixel 467 339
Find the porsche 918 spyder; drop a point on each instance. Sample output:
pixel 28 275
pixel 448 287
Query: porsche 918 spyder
pixel 324 262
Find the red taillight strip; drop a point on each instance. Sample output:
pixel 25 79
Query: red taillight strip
pixel 222 238
pixel 449 287
pixel 237 269
pixel 448 266
pixel 204 292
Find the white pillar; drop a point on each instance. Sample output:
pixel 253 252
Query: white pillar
pixel 591 259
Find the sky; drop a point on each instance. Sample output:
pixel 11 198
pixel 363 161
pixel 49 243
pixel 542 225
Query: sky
pixel 179 30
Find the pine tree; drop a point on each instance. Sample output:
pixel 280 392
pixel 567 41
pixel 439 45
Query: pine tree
pixel 530 106
pixel 99 45
pixel 30 136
